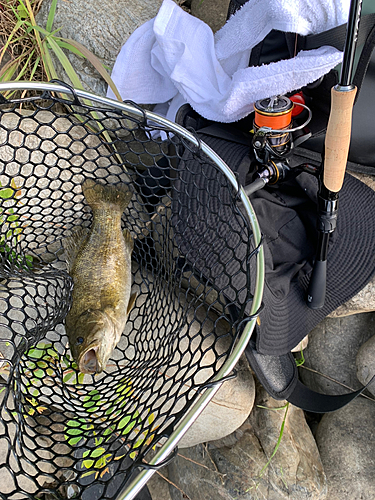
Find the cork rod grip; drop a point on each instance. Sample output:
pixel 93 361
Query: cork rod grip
pixel 338 138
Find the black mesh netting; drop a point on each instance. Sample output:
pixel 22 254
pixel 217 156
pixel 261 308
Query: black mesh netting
pixel 64 434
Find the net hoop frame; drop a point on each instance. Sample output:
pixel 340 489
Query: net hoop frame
pixel 167 449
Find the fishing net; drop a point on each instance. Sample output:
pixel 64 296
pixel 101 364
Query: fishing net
pixel 64 434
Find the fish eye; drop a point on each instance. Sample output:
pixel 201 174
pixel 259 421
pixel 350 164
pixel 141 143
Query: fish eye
pixel 79 340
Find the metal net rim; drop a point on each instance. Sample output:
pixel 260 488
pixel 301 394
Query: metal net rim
pixel 166 450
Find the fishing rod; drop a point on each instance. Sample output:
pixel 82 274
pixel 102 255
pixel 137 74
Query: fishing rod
pixel 275 138
pixel 336 150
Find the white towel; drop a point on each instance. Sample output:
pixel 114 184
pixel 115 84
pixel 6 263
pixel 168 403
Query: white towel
pixel 175 57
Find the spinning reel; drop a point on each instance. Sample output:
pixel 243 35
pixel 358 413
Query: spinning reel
pixel 275 138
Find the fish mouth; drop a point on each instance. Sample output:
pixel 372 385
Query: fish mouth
pixel 89 362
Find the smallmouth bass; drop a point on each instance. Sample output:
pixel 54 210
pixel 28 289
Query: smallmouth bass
pixel 99 261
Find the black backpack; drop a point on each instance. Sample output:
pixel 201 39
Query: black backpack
pixel 278 371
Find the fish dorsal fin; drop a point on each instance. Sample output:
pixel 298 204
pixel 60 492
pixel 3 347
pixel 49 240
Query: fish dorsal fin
pixel 72 244
pixel 131 302
pixel 129 242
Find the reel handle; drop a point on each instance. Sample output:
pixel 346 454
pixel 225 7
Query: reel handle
pixel 338 136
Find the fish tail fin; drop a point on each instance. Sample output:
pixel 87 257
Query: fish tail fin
pixel 99 195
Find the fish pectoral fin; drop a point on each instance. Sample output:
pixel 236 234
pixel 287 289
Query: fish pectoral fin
pixel 131 302
pixel 72 244
pixel 129 242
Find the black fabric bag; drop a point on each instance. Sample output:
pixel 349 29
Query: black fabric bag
pixel 287 216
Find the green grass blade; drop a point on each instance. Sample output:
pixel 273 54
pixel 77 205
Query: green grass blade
pixel 66 64
pixel 7 43
pixel 7 72
pixel 46 33
pixel 34 68
pixel 48 65
pixel 65 45
pixel 25 66
pixel 51 15
pixel 278 442
pixel 95 61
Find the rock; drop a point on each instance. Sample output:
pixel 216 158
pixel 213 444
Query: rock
pixel 363 301
pixel 212 12
pixel 332 349
pixel 226 411
pixel 302 345
pixel 158 486
pixel 102 27
pixel 365 362
pixel 235 467
pixel 346 441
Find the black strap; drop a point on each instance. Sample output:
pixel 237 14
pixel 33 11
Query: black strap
pixel 315 402
pixel 335 37
pixel 234 6
pixel 279 376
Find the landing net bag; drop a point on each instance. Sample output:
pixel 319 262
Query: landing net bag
pixel 64 433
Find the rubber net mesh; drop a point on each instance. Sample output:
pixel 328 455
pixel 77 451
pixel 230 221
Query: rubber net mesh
pixel 65 434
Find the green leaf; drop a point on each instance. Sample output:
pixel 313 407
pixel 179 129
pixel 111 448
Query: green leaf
pixel 109 430
pixel 88 463
pixel 74 431
pixel 123 422
pixel 129 428
pixel 68 376
pixel 93 409
pixel 22 12
pixel 98 441
pixel 36 353
pixel 90 473
pixel 53 353
pixel 51 15
pixel 102 461
pixel 74 440
pixel 73 423
pixel 89 404
pixel 6 193
pixel 97 453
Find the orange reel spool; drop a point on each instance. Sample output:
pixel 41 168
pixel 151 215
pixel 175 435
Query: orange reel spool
pixel 273 112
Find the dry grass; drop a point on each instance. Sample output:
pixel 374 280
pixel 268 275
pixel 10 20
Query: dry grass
pixel 22 43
